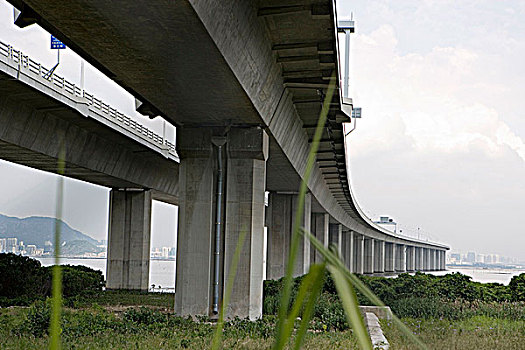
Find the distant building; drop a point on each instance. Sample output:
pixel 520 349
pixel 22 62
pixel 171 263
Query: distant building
pixel 471 257
pixel 48 247
pixel 31 249
pixel 387 223
pixel 3 245
pixel 12 245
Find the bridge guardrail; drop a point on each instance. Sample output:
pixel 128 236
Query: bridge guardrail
pixel 25 62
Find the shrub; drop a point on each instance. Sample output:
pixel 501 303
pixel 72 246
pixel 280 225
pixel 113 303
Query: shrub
pixel 23 279
pixel 38 317
pixel 517 287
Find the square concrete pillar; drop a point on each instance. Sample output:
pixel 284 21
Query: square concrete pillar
pixel 419 258
pixel 245 192
pixel 302 263
pixel 245 153
pixel 279 228
pixel 320 226
pixel 129 240
pixel 351 251
pixel 426 259
pixel 336 237
pixel 390 257
pixel 400 258
pixel 195 241
pixel 379 255
pixel 359 257
pixel 411 258
pixel 369 256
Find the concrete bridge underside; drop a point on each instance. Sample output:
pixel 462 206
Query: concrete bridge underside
pixel 251 75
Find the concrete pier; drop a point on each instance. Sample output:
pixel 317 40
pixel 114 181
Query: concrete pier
pixel 279 229
pixel 129 240
pixel 302 263
pixel 244 214
pixel 359 257
pixel 390 257
pixel 400 258
pixel 350 251
pixel 320 224
pixel 379 256
pixel 247 151
pixel 369 256
pixel 411 258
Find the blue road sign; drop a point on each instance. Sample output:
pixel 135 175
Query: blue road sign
pixel 57 44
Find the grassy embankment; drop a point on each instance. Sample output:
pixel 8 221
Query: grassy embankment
pixel 109 321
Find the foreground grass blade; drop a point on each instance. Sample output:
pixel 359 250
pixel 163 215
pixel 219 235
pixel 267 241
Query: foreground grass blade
pixel 317 273
pixel 217 338
pixel 280 339
pixel 56 293
pixel 349 300
pixel 334 260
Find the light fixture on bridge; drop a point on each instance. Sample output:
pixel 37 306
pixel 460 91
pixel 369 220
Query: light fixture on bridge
pixel 346 27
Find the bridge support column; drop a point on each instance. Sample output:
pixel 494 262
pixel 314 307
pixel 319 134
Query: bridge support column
pixel 359 257
pixel 336 231
pixel 302 263
pixel 245 163
pixel 426 259
pixel 390 257
pixel 400 258
pixel 443 260
pixel 379 255
pixel 351 251
pixel 411 258
pixel 320 225
pixel 369 255
pixel 279 229
pixel 129 240
pixel 245 188
pixel 419 258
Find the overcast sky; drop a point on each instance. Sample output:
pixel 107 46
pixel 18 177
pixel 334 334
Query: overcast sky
pixel 440 145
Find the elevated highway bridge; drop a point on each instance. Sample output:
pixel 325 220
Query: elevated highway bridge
pixel 243 81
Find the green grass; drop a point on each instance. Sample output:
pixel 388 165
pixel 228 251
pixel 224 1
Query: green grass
pixel 145 328
pixel 479 332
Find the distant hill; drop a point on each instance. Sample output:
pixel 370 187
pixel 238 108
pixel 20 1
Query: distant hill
pixel 76 248
pixel 37 230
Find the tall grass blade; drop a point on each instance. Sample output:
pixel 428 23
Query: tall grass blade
pixel 317 273
pixel 280 339
pixel 350 306
pixel 56 293
pixel 217 338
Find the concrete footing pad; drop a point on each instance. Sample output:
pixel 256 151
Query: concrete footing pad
pixel 376 333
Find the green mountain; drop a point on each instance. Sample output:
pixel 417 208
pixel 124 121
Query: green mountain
pixel 37 230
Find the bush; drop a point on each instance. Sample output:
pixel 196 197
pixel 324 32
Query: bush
pixel 23 279
pixel 517 287
pixel 38 318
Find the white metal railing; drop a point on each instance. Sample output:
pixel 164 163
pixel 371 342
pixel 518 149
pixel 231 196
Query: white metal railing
pixel 59 84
